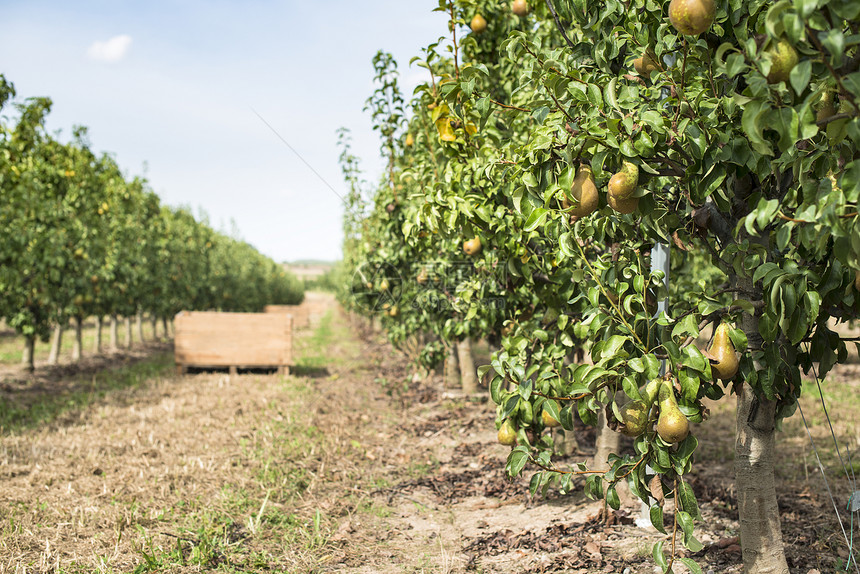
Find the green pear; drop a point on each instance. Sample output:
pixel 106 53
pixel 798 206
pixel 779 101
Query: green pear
pixel 783 58
pixel 724 364
pixel 623 184
pixel 672 425
pixel 584 192
pixel 692 17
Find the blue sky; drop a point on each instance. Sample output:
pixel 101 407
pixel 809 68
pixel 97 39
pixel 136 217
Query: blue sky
pixel 176 85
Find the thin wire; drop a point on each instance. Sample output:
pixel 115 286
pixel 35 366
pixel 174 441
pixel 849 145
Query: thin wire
pixel 298 155
pixel 827 484
pixel 849 542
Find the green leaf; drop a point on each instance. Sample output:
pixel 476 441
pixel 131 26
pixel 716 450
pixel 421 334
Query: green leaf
pixel 686 522
pixel 799 76
pixel 536 219
pixel 657 553
pixel 691 564
pixel 656 514
pixel 688 500
pixel 517 460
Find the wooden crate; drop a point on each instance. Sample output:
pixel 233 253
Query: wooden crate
pixel 301 318
pixel 233 340
pixel 316 305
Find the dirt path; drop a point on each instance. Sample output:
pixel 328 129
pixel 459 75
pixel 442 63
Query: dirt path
pixel 346 466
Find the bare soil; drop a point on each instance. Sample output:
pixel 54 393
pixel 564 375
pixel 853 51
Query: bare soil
pixel 352 465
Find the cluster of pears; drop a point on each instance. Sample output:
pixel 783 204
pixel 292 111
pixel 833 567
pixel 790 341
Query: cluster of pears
pixel 583 198
pixel 507 434
pixel 672 425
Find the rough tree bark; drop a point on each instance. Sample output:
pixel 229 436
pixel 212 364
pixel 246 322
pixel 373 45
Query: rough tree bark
pixel 56 345
pixel 97 344
pixel 78 343
pixel 468 375
pixel 452 369
pixel 128 338
pixel 28 357
pixel 114 333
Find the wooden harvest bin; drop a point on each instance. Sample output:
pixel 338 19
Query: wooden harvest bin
pixel 233 340
pixel 316 305
pixel 299 313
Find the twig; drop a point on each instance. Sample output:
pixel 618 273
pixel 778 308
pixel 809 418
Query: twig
pixel 500 104
pixel 559 26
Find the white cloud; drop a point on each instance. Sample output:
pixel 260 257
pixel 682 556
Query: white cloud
pixel 111 51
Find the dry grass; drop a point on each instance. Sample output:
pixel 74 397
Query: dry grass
pixel 208 471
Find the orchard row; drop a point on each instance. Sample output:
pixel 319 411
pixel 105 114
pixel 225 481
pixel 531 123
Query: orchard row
pixel 79 239
pixel 554 147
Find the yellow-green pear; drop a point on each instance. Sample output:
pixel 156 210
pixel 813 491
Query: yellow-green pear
pixel 520 7
pixel 645 64
pixel 623 184
pixel 692 17
pixel 584 192
pixel 472 246
pixel 724 364
pixel 549 420
pixel 478 24
pixel 672 425
pixel 783 58
pixel 507 434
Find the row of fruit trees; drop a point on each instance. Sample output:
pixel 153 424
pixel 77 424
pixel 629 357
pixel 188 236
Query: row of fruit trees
pixel 552 147
pixel 79 239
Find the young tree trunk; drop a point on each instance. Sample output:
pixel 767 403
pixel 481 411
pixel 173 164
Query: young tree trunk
pixel 114 333
pixel 564 442
pixel 78 343
pixel 452 368
pixel 607 443
pixel 154 322
pixel 758 513
pixel 97 345
pixel 761 534
pixel 128 338
pixel 164 327
pixel 468 376
pixel 28 357
pixel 138 323
pixel 56 345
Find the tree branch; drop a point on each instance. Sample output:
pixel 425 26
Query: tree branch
pixel 559 26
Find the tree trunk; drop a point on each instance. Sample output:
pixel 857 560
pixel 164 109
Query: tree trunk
pixel 154 322
pixel 758 512
pixel 78 343
pixel 97 345
pixel 138 322
pixel 468 376
pixel 452 368
pixel 128 338
pixel 114 333
pixel 28 357
pixel 761 534
pixel 164 327
pixel 56 345
pixel 564 442
pixel 607 443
